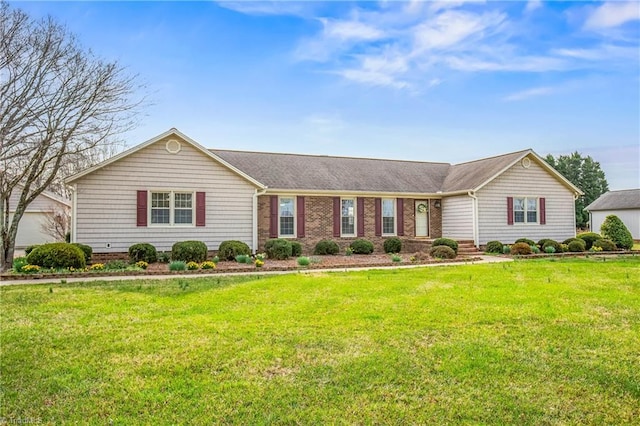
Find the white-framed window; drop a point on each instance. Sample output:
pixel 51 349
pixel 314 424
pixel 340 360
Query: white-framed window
pixel 286 216
pixel 525 210
pixel 171 208
pixel 348 217
pixel 388 216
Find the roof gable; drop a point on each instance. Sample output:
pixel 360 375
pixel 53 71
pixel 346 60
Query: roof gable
pixel 170 132
pixel 616 200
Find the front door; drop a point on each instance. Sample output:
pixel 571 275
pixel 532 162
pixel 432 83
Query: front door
pixel 422 218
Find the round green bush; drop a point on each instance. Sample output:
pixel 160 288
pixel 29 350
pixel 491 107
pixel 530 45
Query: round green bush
pixel 57 255
pixel 525 240
pixel 87 250
pixel 278 248
pixel 446 242
pixel 577 245
pixel 605 244
pixel 296 249
pixel 557 248
pixel 589 238
pixel 143 251
pixel 568 240
pixel 614 229
pixel 189 251
pixel 361 246
pixel 442 252
pixel 392 245
pixel 521 248
pixel 494 247
pixel 228 250
pixel 326 247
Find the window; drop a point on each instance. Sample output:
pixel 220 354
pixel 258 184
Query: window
pixel 348 217
pixel 388 217
pixel 286 217
pixel 171 208
pixel 525 210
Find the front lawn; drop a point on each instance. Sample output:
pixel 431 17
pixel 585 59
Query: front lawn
pixel 529 342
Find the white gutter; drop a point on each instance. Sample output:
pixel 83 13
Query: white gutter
pixel 476 231
pixel 74 213
pixel 254 219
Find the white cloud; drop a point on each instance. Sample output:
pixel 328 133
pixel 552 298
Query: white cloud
pixel 613 14
pixel 269 7
pixel 529 93
pixel 452 27
pixel 472 63
pixel 533 5
pixel 603 52
pixel 350 30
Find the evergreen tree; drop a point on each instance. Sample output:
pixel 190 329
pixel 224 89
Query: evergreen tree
pixel 586 174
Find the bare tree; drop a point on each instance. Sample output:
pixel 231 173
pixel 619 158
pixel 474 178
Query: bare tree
pixel 59 106
pixel 56 223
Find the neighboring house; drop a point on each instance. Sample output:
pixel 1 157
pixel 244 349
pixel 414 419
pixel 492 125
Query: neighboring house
pixel 30 229
pixel 625 204
pixel 171 189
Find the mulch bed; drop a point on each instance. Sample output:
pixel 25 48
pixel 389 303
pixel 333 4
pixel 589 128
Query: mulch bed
pixel 318 263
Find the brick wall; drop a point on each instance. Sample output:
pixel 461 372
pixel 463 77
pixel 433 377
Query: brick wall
pixel 319 223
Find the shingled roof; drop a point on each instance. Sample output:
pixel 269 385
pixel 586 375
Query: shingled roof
pixel 617 200
pixel 325 173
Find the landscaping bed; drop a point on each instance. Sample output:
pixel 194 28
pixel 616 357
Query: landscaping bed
pixel 317 262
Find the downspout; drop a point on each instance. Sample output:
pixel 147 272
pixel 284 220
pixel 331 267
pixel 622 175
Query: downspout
pixel 575 197
pixel 254 219
pixel 476 231
pixel 74 213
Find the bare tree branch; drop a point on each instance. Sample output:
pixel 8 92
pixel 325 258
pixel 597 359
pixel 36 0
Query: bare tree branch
pixel 61 110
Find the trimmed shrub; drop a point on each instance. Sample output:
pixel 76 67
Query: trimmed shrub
pixel 605 244
pixel 296 249
pixel 29 249
pixel 164 257
pixel 243 258
pixel 57 255
pixel 577 245
pixel 87 250
pixel 143 251
pixel 361 246
pixel 506 249
pixel 542 242
pixel 521 248
pixel 442 252
pixel 589 238
pixel 326 247
pixel 228 250
pixel 453 244
pixel 189 251
pixel 494 247
pixel 535 249
pixel 392 245
pixel 614 229
pixel 551 243
pixel 525 240
pixel 568 240
pixel 278 248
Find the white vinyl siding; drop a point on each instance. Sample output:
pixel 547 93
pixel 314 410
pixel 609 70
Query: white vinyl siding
pixel 630 218
pixel 534 182
pixel 106 200
pixel 457 217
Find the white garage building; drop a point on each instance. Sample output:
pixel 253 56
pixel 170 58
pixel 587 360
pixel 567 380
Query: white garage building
pixel 625 204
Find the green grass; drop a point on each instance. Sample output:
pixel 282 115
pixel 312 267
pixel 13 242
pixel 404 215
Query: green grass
pixel 529 342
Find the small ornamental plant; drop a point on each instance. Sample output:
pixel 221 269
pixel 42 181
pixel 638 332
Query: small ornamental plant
pixel 208 265
pixel 396 258
pixel 259 263
pixel 193 266
pixel 261 256
pixel 348 251
pixel 243 258
pixel 97 267
pixel 304 261
pixel 215 259
pixel 177 265
pixel 549 249
pixel 593 249
pixel 142 264
pixel 30 269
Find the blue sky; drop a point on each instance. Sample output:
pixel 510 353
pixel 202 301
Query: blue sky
pixel 452 81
